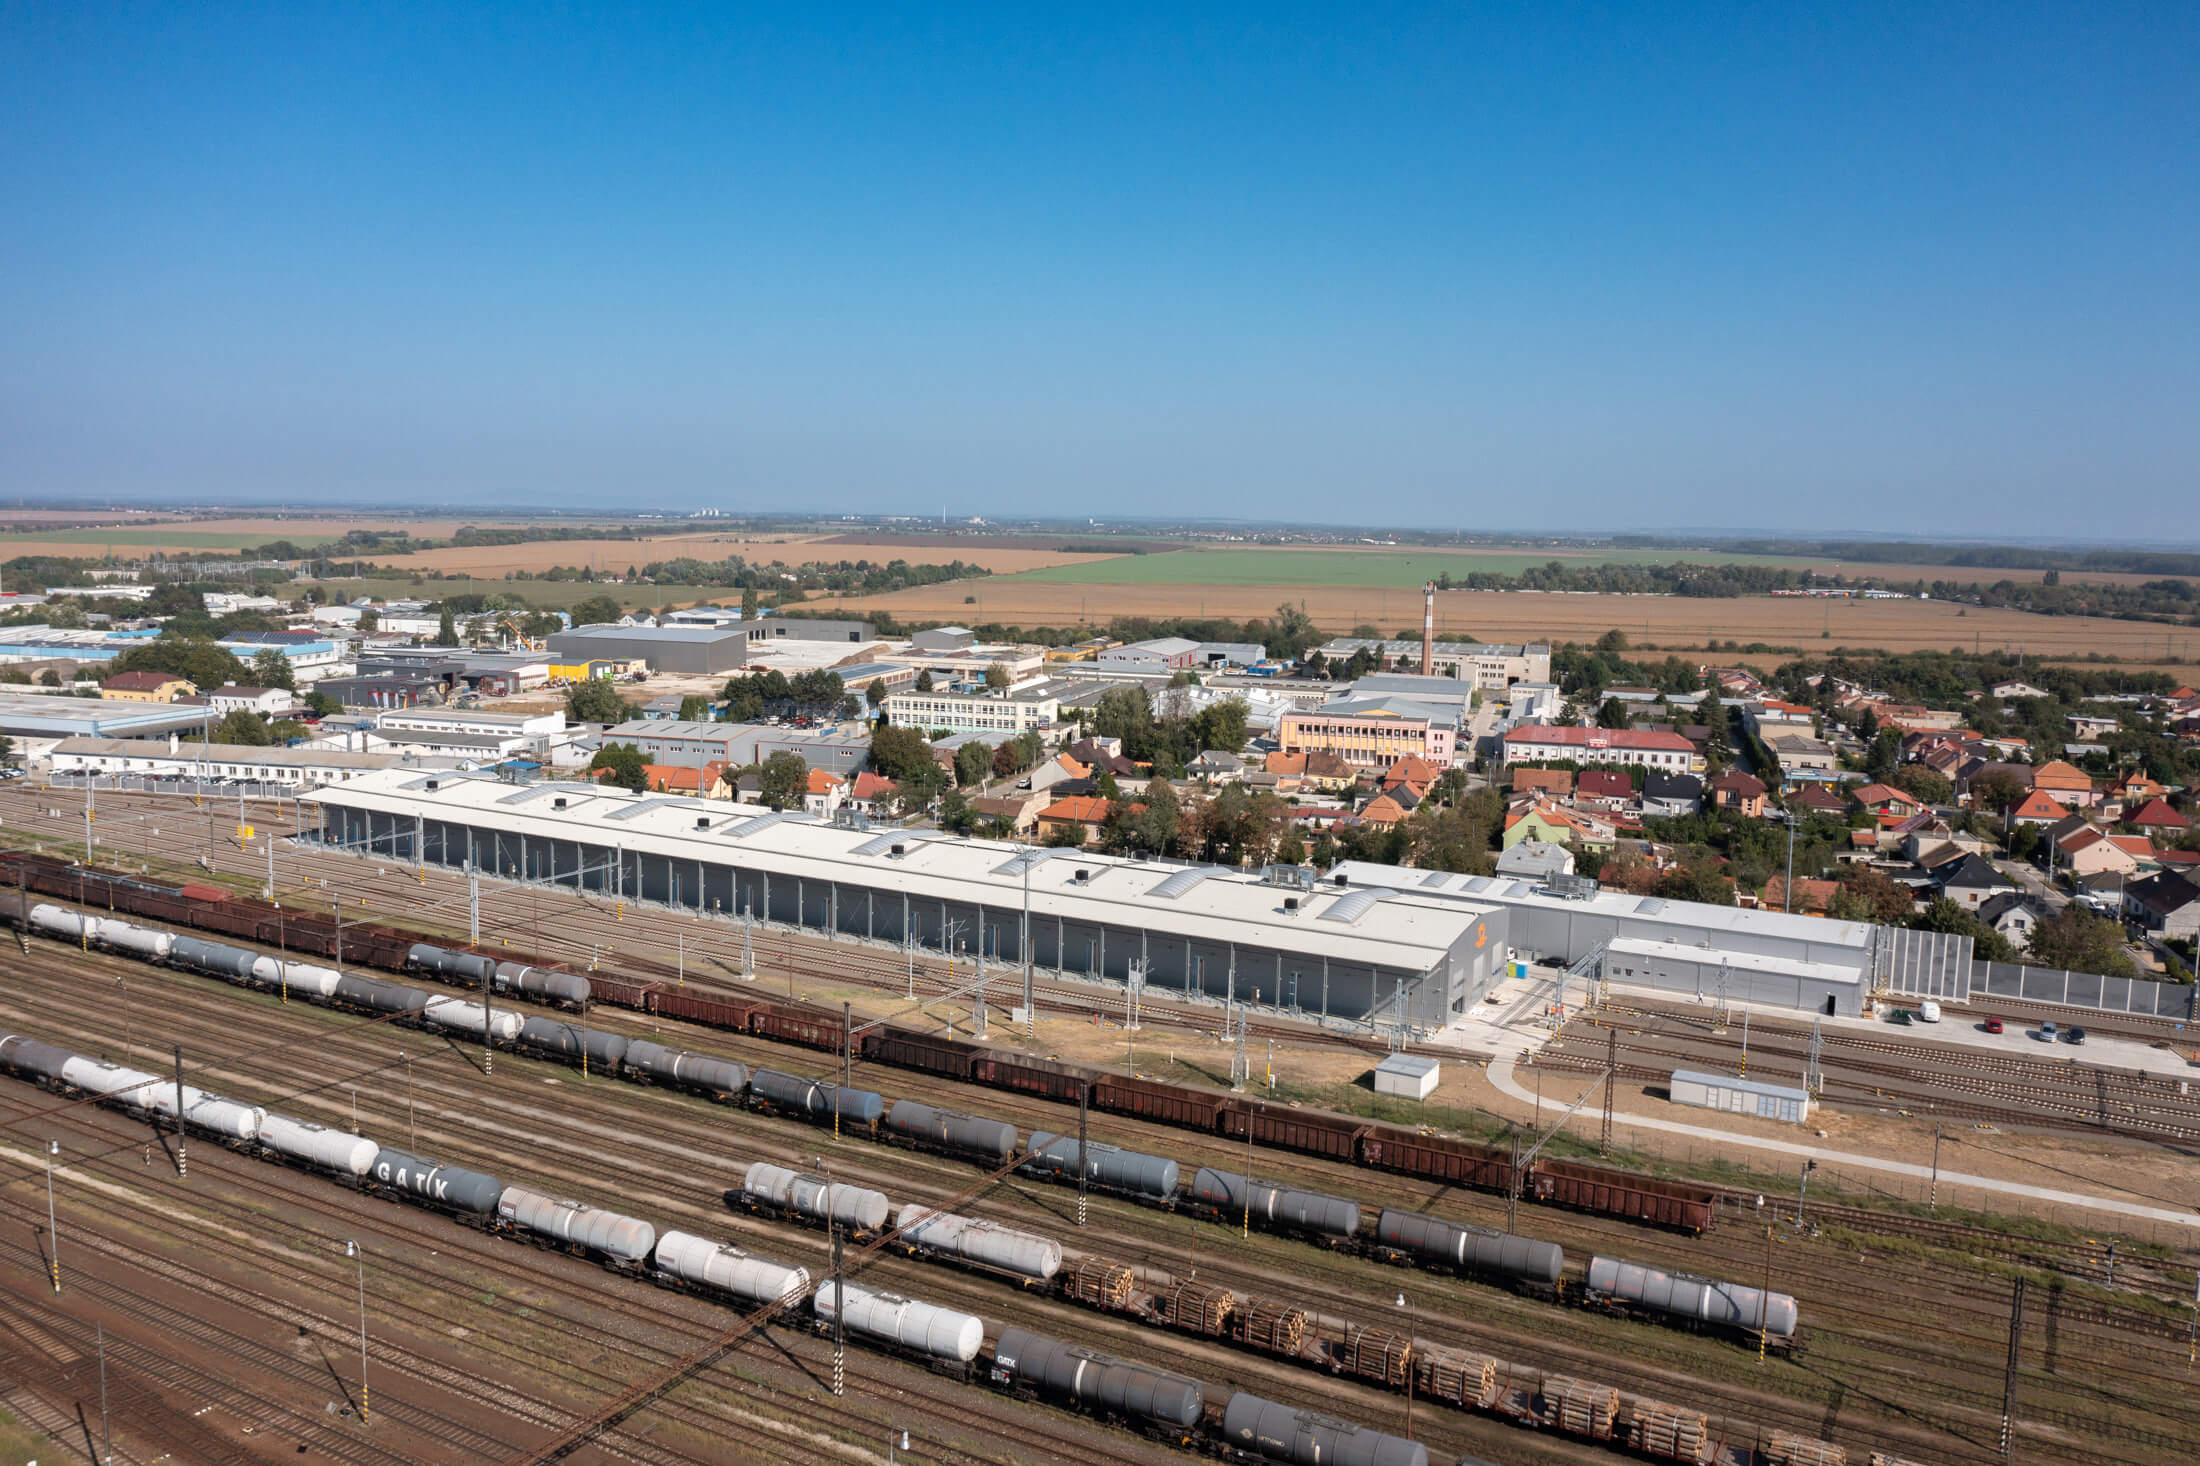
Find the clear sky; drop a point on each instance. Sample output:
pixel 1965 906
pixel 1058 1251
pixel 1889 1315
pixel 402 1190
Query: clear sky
pixel 1903 267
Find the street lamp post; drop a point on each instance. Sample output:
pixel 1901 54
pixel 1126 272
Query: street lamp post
pixel 891 1458
pixel 355 1251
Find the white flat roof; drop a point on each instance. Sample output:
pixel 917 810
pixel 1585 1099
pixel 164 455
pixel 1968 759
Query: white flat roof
pixel 1784 967
pixel 1210 904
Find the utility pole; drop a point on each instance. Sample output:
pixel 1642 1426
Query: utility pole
pixel 180 1158
pixel 355 1251
pixel 1802 1189
pixel 1084 1158
pixel 1512 1185
pixel 847 1062
pixel 53 1236
pixel 840 1309
pixel 106 1434
pixel 473 906
pixel 1611 1080
pixel 1932 1197
pixel 1023 950
pixel 1764 1295
pixel 2009 1376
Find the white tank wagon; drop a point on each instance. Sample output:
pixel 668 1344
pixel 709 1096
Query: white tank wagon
pixel 456 1015
pixel 991 1140
pixel 148 943
pixel 1110 1167
pixel 218 958
pixel 65 925
pixel 462 969
pixel 1026 1254
pixel 718 1078
pixel 281 974
pixel 778 1189
pixel 542 984
pixel 698 1262
pixel 202 1111
pixel 625 1240
pixel 318 1146
pixel 34 1058
pixel 1734 1307
pixel 1230 1196
pixel 94 1077
pixel 923 1329
pixel 1303 1438
pixel 1069 1375
pixel 452 1188
pixel 1472 1249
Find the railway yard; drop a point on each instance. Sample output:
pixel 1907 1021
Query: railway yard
pixel 232 1317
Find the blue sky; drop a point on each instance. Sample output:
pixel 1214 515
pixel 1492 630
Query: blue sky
pixel 1850 267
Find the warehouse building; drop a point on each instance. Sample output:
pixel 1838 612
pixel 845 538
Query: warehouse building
pixel 30 715
pixel 694 650
pixel 842 750
pixel 1478 664
pixel 1386 957
pixel 294 768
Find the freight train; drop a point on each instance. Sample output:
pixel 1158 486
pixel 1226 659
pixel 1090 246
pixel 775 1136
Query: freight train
pixel 1244 1427
pixel 1678 1205
pixel 1529 1266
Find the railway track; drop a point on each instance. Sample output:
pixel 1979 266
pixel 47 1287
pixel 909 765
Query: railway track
pixel 1653 1379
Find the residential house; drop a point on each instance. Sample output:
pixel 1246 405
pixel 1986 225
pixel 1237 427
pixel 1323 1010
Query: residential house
pixel 1863 847
pixel 682 779
pixel 1319 770
pixel 1606 789
pixel 1556 824
pixel 1055 770
pixel 1217 767
pixel 823 792
pixel 1556 783
pixel 2087 727
pixel 875 794
pixel 2037 808
pixel 1811 898
pixel 2135 789
pixel 1536 861
pixel 1419 773
pixel 1817 799
pixel 2014 688
pixel 2094 851
pixel 1668 753
pixel 1888 802
pixel 1743 793
pixel 268 702
pixel 1020 812
pixel 2156 814
pixel 2167 904
pixel 1383 811
pixel 1972 881
pixel 1103 755
pixel 1667 795
pixel 1082 813
pixel 2070 787
pixel 2012 914
pixel 145 687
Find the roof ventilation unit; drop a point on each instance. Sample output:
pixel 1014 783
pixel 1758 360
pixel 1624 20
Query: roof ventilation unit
pixel 1341 880
pixel 435 784
pixel 1290 906
pixel 1083 876
pixel 901 848
pixel 557 803
pixel 702 822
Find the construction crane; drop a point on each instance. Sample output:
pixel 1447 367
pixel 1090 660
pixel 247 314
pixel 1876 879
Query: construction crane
pixel 510 628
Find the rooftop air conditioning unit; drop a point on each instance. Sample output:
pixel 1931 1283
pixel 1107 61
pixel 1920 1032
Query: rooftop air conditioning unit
pixel 702 822
pixel 1341 879
pixel 434 784
pixel 900 848
pixel 1290 906
pixel 1083 876
pixel 557 803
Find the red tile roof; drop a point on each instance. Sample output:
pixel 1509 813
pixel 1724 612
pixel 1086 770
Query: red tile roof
pixel 1593 739
pixel 2155 814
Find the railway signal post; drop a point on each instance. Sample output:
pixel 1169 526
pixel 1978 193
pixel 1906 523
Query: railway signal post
pixel 181 1160
pixel 359 1254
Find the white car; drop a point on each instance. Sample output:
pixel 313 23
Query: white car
pixel 1928 1013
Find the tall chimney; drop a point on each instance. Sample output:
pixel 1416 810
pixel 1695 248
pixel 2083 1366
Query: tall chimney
pixel 1428 629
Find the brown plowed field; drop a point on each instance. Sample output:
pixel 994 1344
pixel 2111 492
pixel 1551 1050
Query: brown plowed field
pixel 616 555
pixel 1506 616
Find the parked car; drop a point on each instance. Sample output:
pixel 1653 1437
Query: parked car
pixel 1993 1025
pixel 1928 1012
pixel 1899 1017
pixel 2076 1034
pixel 2047 1033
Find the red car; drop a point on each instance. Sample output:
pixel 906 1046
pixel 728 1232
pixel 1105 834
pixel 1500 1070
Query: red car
pixel 1993 1025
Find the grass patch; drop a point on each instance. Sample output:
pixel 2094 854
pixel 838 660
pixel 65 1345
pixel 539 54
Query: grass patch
pixel 18 1442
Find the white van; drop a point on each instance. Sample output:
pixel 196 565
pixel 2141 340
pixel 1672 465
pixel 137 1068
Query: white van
pixel 1928 1012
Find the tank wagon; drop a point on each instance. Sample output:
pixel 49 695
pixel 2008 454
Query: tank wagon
pixel 94 1077
pixel 720 1079
pixel 777 1191
pixel 217 958
pixel 683 1259
pixel 317 1147
pixel 1156 1402
pixel 542 984
pixel 461 969
pixel 34 1059
pixel 1733 1308
pixel 277 974
pixel 1275 1432
pixel 469 1195
pixel 1109 1167
pixel 1025 1256
pixel 202 1111
pixel 991 1141
pixel 1472 1249
pixel 590 1049
pixel 620 1241
pixel 1228 1196
pixel 939 1337
pixel 456 1015
pixel 813 1099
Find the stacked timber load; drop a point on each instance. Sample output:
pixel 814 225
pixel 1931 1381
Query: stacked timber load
pixel 1101 1283
pixel 1375 1354
pixel 1581 1408
pixel 1279 1328
pixel 1200 1308
pixel 1802 1450
pixel 1449 1374
pixel 1671 1433
pixel 1881 1458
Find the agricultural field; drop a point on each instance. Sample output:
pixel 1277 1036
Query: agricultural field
pixel 225 536
pixel 1505 616
pixel 548 595
pixel 615 555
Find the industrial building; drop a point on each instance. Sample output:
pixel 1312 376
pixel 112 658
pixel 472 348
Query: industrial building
pixel 1753 956
pixel 694 650
pixel 33 715
pixel 1384 956
pixel 296 768
pixel 1740 1096
pixel 1478 664
pixel 1005 713
pixel 841 750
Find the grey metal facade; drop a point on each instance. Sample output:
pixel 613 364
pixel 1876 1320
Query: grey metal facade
pixel 688 649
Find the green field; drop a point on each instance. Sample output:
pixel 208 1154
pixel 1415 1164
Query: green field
pixel 1263 565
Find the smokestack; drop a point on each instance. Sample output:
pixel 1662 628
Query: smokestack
pixel 1428 629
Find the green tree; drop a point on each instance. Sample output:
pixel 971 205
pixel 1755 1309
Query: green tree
pixel 785 778
pixel 955 812
pixel 201 662
pixel 1156 824
pixel 595 700
pixel 694 708
pixel 595 611
pixel 1612 713
pixel 321 705
pixel 1886 753
pixel 244 727
pixel 446 628
pixel 748 603
pixel 899 753
pixel 1220 726
pixel 875 694
pixel 370 619
pixel 1005 762
pixel 1943 915
pixel 744 700
pixel 996 677
pixel 972 760
pixel 1927 784
pixel 924 679
pixel 2082 942
pixel 7 749
pixel 270 668
pixel 626 764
